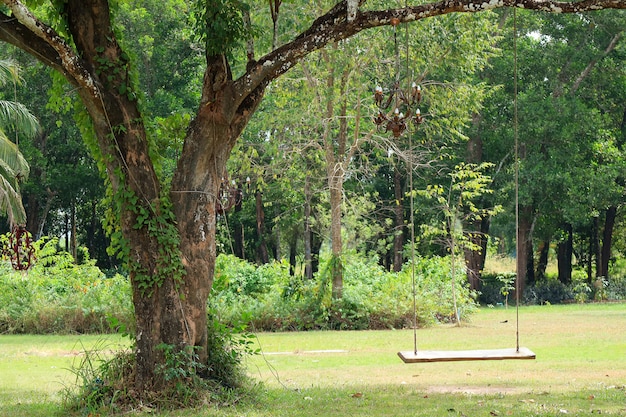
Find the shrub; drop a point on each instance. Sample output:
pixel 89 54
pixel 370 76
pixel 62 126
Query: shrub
pixel 58 296
pixel 549 291
pixel 372 298
pixel 105 383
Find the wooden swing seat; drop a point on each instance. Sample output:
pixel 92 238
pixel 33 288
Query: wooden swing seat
pixel 465 355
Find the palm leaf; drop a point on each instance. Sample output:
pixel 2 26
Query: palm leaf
pixel 16 117
pixel 9 71
pixel 13 158
pixel 10 199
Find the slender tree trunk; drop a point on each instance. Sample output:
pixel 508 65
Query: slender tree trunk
pixel 67 232
pixel 525 255
pixel 399 228
pixel 238 231
pixel 592 249
pixel 41 224
pixel 475 259
pixel 542 262
pixel 478 234
pixel 262 253
pixel 336 196
pixel 276 238
pixel 607 239
pixel 316 247
pixel 73 243
pixel 565 252
pixel 293 254
pixel 91 229
pixel 308 233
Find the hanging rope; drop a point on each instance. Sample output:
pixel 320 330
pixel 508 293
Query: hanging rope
pixel 412 209
pixel 516 140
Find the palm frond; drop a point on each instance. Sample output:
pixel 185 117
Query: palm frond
pixel 9 71
pixel 13 158
pixel 17 118
pixel 11 203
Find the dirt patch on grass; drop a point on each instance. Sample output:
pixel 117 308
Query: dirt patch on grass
pixel 472 390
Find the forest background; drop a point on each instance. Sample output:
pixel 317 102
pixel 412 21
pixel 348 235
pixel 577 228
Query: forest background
pixel 317 201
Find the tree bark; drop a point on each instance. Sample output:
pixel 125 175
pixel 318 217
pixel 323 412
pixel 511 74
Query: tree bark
pixel 399 227
pixel 607 240
pixel 525 249
pixel 308 233
pixel 238 230
pixel 262 254
pixel 542 262
pixel 565 252
pixel 475 259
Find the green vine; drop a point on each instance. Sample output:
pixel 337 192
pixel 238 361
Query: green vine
pixel 157 218
pixel 115 72
pixel 159 221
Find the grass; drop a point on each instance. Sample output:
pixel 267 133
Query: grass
pixel 580 369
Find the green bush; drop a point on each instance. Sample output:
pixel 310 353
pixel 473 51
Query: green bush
pixel 372 298
pixel 58 296
pixel 549 291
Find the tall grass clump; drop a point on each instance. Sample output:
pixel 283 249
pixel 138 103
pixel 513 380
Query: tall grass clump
pixel 372 297
pixel 105 377
pixel 56 295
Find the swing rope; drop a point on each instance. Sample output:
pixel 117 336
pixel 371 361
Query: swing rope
pixel 516 145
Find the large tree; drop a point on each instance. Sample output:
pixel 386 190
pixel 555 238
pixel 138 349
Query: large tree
pixel 167 231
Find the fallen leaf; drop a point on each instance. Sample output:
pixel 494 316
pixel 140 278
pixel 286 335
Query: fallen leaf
pixel 591 397
pixel 493 413
pixel 357 395
pixel 529 401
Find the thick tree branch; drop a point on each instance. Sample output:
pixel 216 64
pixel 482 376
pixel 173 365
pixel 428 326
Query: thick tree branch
pixel 16 34
pixel 72 65
pixel 334 26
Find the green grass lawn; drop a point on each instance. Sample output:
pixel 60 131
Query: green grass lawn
pixel 580 369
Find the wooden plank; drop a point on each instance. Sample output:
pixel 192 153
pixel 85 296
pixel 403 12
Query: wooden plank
pixel 465 355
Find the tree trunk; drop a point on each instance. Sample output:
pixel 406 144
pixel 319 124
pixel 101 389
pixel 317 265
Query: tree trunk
pixel 238 231
pixel 542 262
pixel 399 228
pixel 308 233
pixel 475 259
pixel 525 247
pixel 592 249
pixel 478 234
pixel 336 266
pixel 565 252
pixel 607 239
pixel 293 254
pixel 262 254
pixel 73 243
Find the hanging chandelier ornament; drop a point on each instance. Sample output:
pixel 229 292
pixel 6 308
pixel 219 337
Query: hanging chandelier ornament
pixel 406 105
pixel 403 112
pixel 20 249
